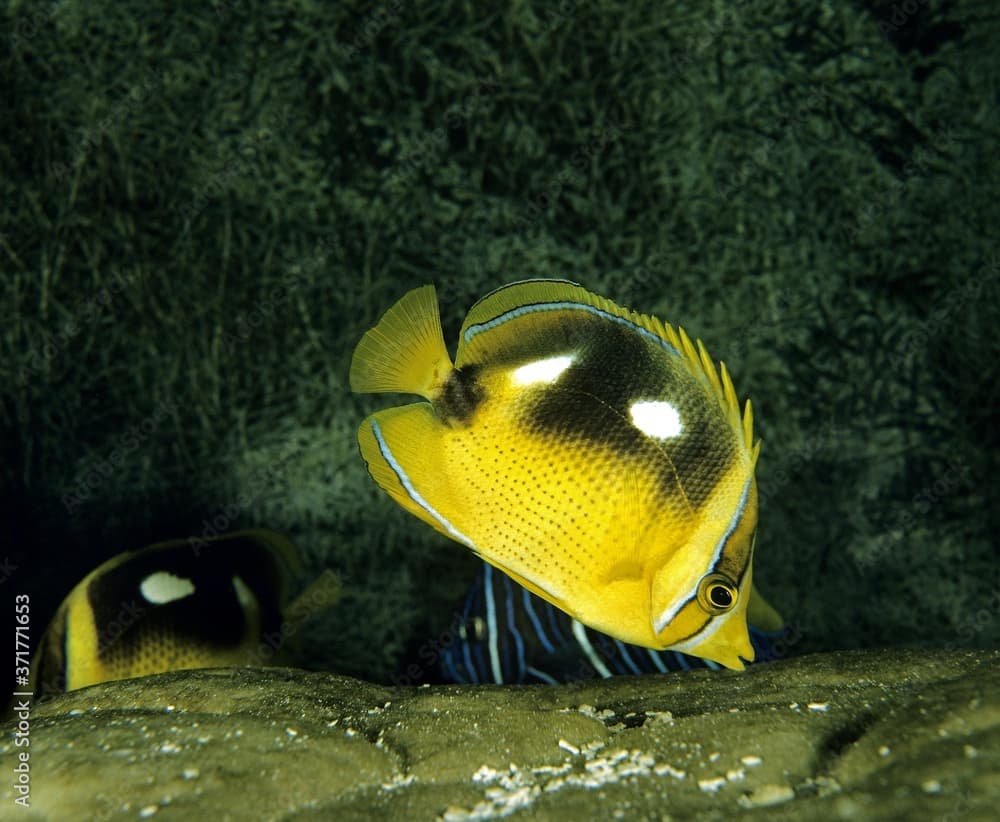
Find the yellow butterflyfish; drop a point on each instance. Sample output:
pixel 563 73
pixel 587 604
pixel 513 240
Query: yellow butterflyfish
pixel 593 454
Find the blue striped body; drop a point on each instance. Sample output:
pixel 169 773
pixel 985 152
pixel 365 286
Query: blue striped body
pixel 508 635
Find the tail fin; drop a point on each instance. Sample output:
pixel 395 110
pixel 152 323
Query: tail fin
pixel 405 351
pixel 321 594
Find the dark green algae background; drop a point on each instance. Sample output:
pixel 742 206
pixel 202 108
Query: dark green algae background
pixel 203 210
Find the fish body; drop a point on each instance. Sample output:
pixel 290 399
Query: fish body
pixel 593 454
pixel 506 635
pixel 177 605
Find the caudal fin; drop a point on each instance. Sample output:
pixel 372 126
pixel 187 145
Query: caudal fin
pixel 405 352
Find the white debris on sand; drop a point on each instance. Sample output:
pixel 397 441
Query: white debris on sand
pixel 591 766
pixel 767 795
pixel 398 781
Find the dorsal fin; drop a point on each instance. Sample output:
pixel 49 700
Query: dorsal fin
pixel 698 360
pixel 477 344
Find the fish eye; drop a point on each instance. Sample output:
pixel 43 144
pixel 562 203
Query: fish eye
pixel 717 594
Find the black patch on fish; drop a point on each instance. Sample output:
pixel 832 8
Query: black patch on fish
pixel 211 615
pixel 461 395
pixel 591 401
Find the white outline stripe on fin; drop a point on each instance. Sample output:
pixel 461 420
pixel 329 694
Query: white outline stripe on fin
pixel 479 328
pixel 668 615
pixel 412 492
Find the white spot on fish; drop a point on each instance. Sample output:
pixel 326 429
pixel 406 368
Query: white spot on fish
pixel 162 587
pixel 656 418
pixel 544 371
pixel 244 594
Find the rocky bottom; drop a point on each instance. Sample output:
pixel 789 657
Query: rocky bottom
pixel 849 735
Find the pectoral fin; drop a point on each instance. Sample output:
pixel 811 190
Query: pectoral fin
pixel 761 614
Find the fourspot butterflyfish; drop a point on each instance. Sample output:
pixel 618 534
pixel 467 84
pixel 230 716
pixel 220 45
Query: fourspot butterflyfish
pixel 186 603
pixel 506 635
pixel 593 454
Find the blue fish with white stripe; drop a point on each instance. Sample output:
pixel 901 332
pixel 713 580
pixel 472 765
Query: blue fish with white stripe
pixel 596 456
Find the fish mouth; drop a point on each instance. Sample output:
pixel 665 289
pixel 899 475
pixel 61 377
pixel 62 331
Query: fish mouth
pixel 729 646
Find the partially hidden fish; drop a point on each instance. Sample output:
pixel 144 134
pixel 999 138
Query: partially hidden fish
pixel 593 454
pixel 506 635
pixel 186 603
